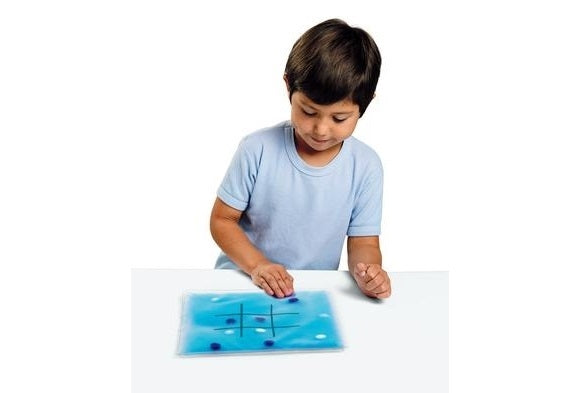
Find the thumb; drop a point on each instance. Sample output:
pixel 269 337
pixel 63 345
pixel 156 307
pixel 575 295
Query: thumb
pixel 361 269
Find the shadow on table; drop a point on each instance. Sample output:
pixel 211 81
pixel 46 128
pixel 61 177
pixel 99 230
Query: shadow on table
pixel 353 291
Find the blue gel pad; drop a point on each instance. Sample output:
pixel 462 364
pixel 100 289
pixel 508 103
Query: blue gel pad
pixel 231 322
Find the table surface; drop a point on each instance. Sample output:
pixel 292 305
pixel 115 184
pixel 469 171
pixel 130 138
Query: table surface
pixel 399 344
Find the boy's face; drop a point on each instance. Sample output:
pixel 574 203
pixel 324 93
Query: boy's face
pixel 322 128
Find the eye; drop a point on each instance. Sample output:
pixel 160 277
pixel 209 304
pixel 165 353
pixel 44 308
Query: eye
pixel 337 120
pixel 310 114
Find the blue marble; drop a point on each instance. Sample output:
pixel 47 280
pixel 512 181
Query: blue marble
pixel 232 322
pixel 269 343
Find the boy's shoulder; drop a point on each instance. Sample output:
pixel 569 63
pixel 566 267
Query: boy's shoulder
pixel 270 134
pixel 363 152
pixel 259 138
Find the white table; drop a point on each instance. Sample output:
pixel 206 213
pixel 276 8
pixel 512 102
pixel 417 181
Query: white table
pixel 398 345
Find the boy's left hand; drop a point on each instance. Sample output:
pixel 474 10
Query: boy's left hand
pixel 372 280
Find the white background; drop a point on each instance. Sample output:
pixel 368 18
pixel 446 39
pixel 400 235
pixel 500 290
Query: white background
pixel 118 120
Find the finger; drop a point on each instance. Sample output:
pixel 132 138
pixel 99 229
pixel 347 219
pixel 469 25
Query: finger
pixel 286 286
pixel 374 285
pixel 360 269
pixel 289 285
pixel 285 280
pixel 282 283
pixel 274 285
pixel 385 294
pixel 262 283
pixel 373 270
pixel 384 289
pixel 381 289
pixel 370 294
pixel 379 282
pixel 371 283
pixel 286 283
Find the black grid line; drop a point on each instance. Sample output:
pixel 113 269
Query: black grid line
pixel 241 315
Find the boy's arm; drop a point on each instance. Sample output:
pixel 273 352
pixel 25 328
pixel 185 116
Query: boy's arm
pixel 364 264
pixel 226 232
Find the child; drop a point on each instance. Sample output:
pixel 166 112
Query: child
pixel 295 190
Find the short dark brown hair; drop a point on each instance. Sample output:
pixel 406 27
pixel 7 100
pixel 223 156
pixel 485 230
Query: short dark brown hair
pixel 333 61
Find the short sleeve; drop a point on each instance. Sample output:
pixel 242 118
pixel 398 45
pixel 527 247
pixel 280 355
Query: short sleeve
pixel 367 211
pixel 238 183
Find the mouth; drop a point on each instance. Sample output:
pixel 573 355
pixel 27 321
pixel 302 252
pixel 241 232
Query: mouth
pixel 319 141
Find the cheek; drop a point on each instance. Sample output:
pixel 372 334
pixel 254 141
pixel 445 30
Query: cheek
pixel 346 130
pixel 301 122
pixel 350 127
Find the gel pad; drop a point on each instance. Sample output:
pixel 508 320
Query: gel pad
pixel 231 322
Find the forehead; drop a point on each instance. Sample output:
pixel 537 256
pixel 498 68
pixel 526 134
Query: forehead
pixel 345 105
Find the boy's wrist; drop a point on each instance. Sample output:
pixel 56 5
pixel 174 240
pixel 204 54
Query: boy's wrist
pixel 255 264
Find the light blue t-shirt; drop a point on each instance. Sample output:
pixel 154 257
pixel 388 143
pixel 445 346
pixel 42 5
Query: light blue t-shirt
pixel 296 214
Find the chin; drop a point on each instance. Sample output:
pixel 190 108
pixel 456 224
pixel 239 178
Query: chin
pixel 319 147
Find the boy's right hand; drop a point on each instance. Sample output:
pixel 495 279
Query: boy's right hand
pixel 273 278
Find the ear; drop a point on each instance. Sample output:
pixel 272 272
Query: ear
pixel 287 87
pixel 287 84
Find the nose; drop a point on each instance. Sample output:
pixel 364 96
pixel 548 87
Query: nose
pixel 321 129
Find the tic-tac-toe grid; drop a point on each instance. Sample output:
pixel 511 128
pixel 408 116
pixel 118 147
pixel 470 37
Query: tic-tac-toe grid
pixel 230 322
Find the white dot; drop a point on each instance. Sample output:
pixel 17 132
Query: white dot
pixel 320 336
pixel 260 330
pixel 215 299
pixel 229 331
pixel 324 315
